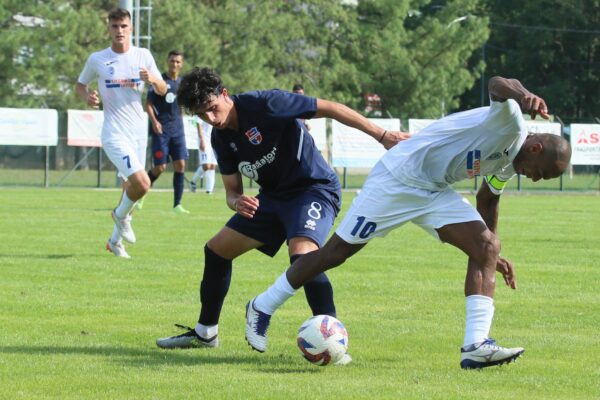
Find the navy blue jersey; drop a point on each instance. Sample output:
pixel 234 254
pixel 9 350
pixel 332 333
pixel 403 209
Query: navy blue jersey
pixel 272 147
pixel 166 109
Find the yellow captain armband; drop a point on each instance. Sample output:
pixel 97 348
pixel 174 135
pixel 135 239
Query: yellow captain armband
pixel 497 185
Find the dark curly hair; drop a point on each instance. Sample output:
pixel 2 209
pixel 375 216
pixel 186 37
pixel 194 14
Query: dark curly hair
pixel 197 87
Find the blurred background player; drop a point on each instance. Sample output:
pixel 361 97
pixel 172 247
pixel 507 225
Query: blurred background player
pixel 208 160
pixel 166 127
pixel 258 135
pixel 121 71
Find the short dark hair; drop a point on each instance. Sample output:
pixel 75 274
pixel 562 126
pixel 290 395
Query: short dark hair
pixel 297 86
pixel 118 13
pixel 176 53
pixel 197 87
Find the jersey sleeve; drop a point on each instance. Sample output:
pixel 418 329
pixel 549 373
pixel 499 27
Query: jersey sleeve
pixel 151 64
pixel 88 73
pixel 284 105
pixel 504 117
pixel 225 158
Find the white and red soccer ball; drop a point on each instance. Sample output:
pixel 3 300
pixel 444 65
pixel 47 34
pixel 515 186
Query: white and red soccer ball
pixel 323 340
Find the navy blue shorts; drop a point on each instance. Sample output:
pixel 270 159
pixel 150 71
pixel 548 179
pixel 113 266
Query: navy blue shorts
pixel 310 214
pixel 165 146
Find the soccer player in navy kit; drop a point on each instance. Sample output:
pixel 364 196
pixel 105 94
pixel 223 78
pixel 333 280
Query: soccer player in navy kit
pixel 168 137
pixel 258 135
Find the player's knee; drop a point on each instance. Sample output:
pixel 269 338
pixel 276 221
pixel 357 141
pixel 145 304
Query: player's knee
pixel 488 249
pixel 161 168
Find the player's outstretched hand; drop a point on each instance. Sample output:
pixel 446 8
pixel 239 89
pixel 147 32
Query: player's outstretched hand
pixel 392 138
pixel 534 105
pixel 507 270
pixel 246 206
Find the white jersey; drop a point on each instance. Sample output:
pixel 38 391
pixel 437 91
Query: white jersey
pixel 207 156
pixel 121 89
pixel 479 142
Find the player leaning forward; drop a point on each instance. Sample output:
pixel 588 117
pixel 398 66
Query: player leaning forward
pixel 412 182
pixel 121 71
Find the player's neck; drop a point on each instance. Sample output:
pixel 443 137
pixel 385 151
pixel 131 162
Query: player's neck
pixel 120 47
pixel 234 123
pixel 173 75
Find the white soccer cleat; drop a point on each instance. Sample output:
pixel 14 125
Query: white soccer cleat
pixel 257 324
pixel 187 340
pixel 487 354
pixel 124 227
pixel 117 249
pixel 345 360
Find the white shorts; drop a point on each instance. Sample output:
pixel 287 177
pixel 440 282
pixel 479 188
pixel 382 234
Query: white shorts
pixel 128 155
pixel 384 203
pixel 208 157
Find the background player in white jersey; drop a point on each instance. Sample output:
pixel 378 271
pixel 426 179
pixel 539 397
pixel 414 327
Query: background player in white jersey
pixel 121 71
pixel 412 182
pixel 208 160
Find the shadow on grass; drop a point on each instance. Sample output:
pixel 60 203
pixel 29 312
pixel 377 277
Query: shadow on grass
pixel 41 256
pixel 155 357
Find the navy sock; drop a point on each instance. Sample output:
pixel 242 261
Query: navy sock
pixel 214 286
pixel 319 293
pixel 152 177
pixel 177 188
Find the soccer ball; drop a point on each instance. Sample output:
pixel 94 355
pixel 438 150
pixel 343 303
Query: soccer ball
pixel 322 340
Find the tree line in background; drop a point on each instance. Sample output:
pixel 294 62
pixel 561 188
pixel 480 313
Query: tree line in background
pixel 423 58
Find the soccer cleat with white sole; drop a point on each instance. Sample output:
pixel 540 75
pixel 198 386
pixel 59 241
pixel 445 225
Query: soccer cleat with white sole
pixel 257 324
pixel 124 227
pixel 345 360
pixel 187 340
pixel 117 249
pixel 487 354
pixel 192 186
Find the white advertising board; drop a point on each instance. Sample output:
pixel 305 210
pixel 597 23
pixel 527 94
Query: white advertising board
pixel 28 127
pixel 84 127
pixel 352 148
pixel 585 142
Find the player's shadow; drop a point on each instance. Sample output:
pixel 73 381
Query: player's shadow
pixel 40 256
pixel 143 358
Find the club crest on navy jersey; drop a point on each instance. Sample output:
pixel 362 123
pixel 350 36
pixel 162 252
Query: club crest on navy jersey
pixel 254 136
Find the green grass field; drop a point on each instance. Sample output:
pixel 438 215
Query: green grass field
pixel 78 323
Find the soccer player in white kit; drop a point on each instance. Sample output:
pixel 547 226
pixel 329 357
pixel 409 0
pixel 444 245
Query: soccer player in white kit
pixel 121 71
pixel 208 160
pixel 412 182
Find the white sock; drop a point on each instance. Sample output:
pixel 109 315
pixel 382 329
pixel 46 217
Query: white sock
pixel 480 312
pixel 198 175
pixel 210 180
pixel 206 331
pixel 116 236
pixel 274 296
pixel 125 206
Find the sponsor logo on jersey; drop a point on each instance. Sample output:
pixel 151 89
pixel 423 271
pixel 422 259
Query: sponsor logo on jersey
pixel 473 163
pixel 254 136
pixel 123 83
pixel 250 170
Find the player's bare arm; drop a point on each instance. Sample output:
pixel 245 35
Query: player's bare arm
pixel 90 97
pixel 502 89
pixel 156 125
pixel 488 205
pixel 160 86
pixel 244 205
pixel 349 117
